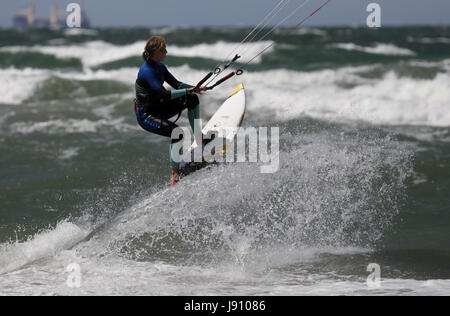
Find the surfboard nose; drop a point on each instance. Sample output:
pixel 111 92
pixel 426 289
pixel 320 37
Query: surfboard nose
pixel 239 87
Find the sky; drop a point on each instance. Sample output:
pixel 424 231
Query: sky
pixel 149 13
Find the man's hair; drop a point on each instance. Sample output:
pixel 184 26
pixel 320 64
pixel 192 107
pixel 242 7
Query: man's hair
pixel 153 44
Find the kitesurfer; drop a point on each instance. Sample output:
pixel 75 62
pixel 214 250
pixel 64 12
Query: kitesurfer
pixel 154 105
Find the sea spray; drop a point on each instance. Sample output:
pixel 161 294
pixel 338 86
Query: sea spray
pixel 45 244
pixel 331 192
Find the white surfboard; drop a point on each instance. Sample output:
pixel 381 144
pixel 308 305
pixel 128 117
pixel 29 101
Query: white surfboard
pixel 224 124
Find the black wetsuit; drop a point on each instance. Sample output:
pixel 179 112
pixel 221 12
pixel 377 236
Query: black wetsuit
pixel 154 104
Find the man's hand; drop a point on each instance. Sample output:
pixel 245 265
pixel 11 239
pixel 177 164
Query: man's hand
pixel 197 90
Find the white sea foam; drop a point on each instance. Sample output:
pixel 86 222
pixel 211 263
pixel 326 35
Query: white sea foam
pixel 379 49
pixel 429 40
pixel 251 267
pixel 304 31
pixel 444 64
pixel 90 53
pixel 160 31
pixel 115 276
pixel 40 267
pixel 220 50
pixel 326 94
pixel 94 53
pixel 339 94
pixel 125 75
pixel 80 31
pixel 42 245
pixel 342 95
pixel 70 126
pixel 128 75
pixel 69 153
pixel 16 85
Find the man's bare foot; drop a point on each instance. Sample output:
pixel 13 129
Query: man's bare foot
pixel 175 176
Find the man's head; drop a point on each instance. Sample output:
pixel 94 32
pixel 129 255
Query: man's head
pixel 155 49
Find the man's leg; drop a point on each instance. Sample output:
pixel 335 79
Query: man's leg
pixel 191 102
pixel 194 116
pixel 161 127
pixel 175 166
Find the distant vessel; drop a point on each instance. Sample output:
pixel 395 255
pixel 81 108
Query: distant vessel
pixel 26 18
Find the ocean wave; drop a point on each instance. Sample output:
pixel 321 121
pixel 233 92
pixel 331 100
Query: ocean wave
pixel 95 53
pixel 304 31
pixel 387 287
pixel 42 245
pixel 115 276
pixel 242 224
pixel 36 60
pixel 90 53
pixel 379 49
pixel 429 40
pixel 20 85
pixel 220 50
pixel 70 126
pixel 165 30
pixel 80 32
pixel 16 85
pixel 342 95
pixel 444 64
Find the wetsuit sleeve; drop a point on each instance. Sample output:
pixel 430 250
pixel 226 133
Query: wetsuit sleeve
pixel 166 95
pixel 182 90
pixel 179 86
pixel 170 79
pixel 185 86
pixel 177 93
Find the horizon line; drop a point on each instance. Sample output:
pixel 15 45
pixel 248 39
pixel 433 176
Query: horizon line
pixel 186 26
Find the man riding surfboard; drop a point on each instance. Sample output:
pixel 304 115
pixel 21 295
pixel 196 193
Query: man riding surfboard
pixel 154 105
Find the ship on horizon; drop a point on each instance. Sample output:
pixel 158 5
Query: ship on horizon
pixel 25 18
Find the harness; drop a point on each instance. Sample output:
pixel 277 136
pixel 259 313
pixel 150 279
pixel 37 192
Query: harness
pixel 136 106
pixel 144 100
